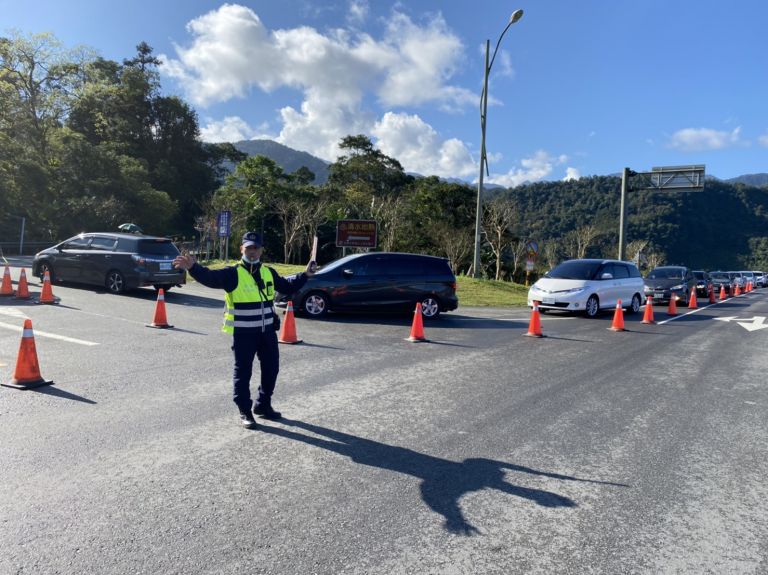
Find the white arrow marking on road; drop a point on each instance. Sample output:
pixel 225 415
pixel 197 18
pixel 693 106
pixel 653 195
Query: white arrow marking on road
pixel 756 323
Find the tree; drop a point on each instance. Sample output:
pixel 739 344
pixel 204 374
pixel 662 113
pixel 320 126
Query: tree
pixel 371 183
pixel 499 215
pixel 38 83
pixel 577 241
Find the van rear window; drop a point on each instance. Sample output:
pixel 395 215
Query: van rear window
pixel 157 248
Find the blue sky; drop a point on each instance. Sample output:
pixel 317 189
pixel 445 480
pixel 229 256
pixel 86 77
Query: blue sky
pixel 579 87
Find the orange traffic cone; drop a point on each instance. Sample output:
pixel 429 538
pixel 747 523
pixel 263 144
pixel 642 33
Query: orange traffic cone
pixel 722 293
pixel 27 372
pixel 7 288
pixel 712 294
pixel 46 296
pixel 417 327
pixel 618 318
pixel 534 326
pixel 648 315
pixel 23 289
pixel 288 331
pixel 750 287
pixel 160 321
pixel 737 291
pixel 692 302
pixel 672 309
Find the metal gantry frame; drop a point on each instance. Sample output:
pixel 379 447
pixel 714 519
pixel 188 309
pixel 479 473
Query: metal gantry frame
pixel 662 179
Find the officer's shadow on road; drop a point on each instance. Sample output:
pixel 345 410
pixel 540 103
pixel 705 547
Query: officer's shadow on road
pixel 443 482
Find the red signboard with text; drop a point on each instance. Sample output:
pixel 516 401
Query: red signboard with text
pixel 356 234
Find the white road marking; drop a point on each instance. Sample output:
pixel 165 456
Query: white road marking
pixel 754 324
pixel 50 335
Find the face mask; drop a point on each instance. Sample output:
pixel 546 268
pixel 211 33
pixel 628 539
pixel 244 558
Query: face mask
pixel 249 261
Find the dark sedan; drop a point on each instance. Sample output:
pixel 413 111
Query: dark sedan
pixel 378 281
pixel 665 282
pixel 702 283
pixel 720 281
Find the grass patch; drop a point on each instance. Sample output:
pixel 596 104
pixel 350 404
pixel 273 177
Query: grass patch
pixel 472 292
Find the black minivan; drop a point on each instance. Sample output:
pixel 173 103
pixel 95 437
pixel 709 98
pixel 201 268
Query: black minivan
pixel 378 281
pixel 118 262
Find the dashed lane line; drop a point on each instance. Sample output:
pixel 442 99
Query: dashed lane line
pixel 50 335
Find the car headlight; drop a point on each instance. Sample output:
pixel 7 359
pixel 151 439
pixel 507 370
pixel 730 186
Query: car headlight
pixel 677 287
pixel 575 290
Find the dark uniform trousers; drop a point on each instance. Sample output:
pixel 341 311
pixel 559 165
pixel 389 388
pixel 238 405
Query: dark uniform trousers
pixel 246 346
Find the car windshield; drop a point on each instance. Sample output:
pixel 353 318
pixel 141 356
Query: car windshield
pixel 719 277
pixel 574 270
pixel 699 275
pixel 337 263
pixel 666 274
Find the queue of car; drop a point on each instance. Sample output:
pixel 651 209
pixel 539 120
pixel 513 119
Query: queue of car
pixel 372 282
pixel 388 281
pixel 591 285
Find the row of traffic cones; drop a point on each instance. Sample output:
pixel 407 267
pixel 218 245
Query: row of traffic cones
pixel 6 289
pixel 534 326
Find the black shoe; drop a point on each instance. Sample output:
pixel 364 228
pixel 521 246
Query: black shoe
pixel 247 421
pixel 266 412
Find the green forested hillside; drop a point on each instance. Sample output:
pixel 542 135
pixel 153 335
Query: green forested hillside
pixel 725 226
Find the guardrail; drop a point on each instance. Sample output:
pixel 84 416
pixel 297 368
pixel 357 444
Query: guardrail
pixel 29 248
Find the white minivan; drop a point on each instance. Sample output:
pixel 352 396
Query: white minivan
pixel 588 286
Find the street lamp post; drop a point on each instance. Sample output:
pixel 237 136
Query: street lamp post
pixel 516 15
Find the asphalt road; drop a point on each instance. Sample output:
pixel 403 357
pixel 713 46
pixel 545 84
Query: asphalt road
pixel 483 451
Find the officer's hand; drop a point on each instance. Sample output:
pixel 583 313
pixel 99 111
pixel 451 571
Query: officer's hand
pixel 184 262
pixel 311 268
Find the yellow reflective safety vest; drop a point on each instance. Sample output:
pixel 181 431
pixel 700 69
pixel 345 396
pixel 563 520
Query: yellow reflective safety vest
pixel 249 309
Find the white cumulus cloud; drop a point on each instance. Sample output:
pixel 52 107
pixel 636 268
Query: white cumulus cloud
pixel 231 129
pixel 419 148
pixel 232 53
pixel 704 139
pixel 571 174
pixel 763 140
pixel 532 169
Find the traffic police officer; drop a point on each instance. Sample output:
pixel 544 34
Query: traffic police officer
pixel 251 319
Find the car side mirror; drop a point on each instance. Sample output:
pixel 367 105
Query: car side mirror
pixel 606 276
pixel 347 273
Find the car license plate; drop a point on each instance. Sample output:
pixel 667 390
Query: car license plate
pixel 658 295
pixel 165 266
pixel 548 301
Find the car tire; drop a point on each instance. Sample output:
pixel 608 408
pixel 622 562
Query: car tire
pixel 315 305
pixel 115 282
pixel 45 266
pixel 592 307
pixel 430 307
pixel 635 304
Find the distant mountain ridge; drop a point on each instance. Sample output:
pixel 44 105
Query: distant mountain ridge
pixel 287 158
pixel 291 160
pixel 757 180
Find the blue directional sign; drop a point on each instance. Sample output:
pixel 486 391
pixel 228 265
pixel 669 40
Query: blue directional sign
pixel 225 217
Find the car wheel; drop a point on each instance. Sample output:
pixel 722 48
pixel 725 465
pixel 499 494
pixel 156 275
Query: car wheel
pixel 592 307
pixel 315 304
pixel 634 307
pixel 45 267
pixel 430 307
pixel 115 282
